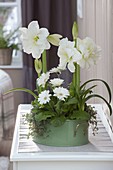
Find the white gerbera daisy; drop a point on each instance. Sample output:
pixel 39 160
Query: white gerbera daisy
pixel 55 70
pixel 56 82
pixel 41 81
pixel 61 93
pixel 44 97
pixel 34 40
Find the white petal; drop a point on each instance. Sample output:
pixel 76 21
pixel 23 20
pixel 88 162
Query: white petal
pixel 56 81
pixel 23 30
pixel 33 27
pixel 43 44
pixel 37 54
pixel 77 56
pixel 81 63
pixel 65 43
pixel 27 47
pixel 69 52
pixel 63 62
pixel 62 53
pixel 71 67
pixel 43 32
pixel 46 45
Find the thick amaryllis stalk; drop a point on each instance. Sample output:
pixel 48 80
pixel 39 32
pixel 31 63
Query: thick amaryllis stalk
pixel 44 62
pixel 76 74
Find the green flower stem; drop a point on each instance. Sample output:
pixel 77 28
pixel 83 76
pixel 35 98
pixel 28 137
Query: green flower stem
pixel 39 74
pixel 44 62
pixel 74 79
pixel 77 77
pixel 51 106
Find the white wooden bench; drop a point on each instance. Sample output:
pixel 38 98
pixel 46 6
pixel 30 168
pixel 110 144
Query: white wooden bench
pixel 96 155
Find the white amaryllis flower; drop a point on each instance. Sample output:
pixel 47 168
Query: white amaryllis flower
pixel 68 54
pixel 44 97
pixel 61 93
pixel 90 52
pixel 56 82
pixel 41 81
pixel 34 40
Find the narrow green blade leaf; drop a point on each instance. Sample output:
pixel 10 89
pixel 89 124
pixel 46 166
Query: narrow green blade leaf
pixel 96 95
pixel 106 84
pixel 88 90
pixel 22 89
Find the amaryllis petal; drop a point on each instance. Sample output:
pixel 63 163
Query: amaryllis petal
pixel 71 67
pixel 34 26
pixel 43 32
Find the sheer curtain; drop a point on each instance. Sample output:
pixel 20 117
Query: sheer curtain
pixel 58 17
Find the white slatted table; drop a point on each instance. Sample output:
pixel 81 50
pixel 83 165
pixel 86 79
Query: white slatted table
pixel 96 155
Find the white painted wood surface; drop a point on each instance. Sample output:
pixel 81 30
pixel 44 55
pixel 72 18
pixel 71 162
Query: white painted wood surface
pixel 96 155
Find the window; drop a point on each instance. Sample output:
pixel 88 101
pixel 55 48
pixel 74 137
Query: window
pixel 10 18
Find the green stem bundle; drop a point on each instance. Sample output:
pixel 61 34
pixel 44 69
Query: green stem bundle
pixel 44 62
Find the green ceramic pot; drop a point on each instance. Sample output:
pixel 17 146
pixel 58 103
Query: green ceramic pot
pixel 71 133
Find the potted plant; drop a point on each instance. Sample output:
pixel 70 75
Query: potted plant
pixel 7 45
pixel 61 116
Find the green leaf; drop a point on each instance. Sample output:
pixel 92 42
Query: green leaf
pixel 85 92
pixel 23 89
pixel 72 101
pixel 106 85
pixel 65 109
pixel 72 89
pixel 82 115
pixel 43 115
pixel 58 121
pixel 58 106
pixel 35 110
pixel 96 95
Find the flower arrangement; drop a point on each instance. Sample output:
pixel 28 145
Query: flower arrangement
pixel 54 104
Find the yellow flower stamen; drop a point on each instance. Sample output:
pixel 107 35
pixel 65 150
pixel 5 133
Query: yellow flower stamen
pixel 36 38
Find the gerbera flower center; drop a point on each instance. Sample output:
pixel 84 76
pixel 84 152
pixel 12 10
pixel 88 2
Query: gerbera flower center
pixel 60 94
pixel 45 98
